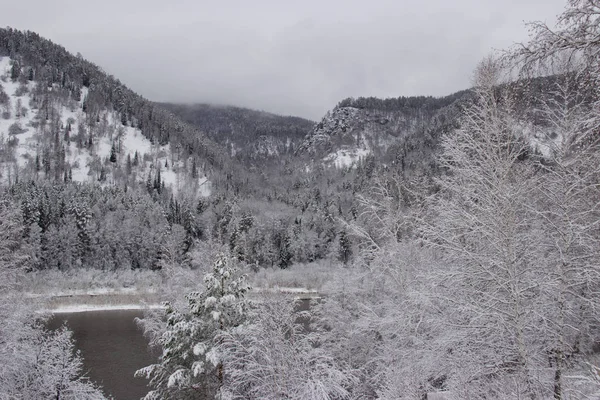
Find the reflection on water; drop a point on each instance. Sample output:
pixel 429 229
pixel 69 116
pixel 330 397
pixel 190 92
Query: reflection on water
pixel 113 348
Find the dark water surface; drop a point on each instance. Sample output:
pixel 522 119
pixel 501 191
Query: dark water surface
pixel 113 348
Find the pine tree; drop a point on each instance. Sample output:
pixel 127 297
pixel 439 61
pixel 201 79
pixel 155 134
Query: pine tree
pixel 149 186
pixel 190 364
pixel 15 71
pixel 157 181
pixel 202 206
pixel 128 165
pixel 136 159
pixel 46 162
pixel 102 177
pixel 194 169
pixel 345 249
pixel 285 254
pixel 113 153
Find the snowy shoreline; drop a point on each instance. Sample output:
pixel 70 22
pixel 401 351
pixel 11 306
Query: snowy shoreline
pixel 108 307
pixel 78 301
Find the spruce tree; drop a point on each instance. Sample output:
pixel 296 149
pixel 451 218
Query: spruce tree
pixel 15 71
pixel 149 186
pixel 190 365
pixel 194 169
pixel 113 153
pixel 102 177
pixel 345 249
pixel 128 165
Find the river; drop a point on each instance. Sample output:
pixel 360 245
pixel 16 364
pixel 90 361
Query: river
pixel 113 348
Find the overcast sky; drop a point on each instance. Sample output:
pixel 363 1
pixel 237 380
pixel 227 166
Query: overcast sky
pixel 287 57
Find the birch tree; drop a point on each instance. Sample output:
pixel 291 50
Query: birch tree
pixel 481 222
pixel 569 212
pixel 568 204
pixel 275 357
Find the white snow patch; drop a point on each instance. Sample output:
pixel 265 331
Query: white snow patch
pixel 134 141
pixel 347 157
pixel 292 290
pixel 102 307
pixel 89 292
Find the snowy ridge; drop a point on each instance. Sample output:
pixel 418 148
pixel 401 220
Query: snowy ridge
pixel 23 133
pixel 346 135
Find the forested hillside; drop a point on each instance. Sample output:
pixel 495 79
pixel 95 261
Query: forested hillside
pixel 253 137
pixel 81 152
pixel 404 130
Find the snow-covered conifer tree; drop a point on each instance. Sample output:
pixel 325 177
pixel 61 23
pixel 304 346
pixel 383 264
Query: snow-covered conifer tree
pixel 191 366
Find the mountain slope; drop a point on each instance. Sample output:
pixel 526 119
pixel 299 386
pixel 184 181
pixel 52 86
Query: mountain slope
pixel 391 130
pixel 249 135
pixel 69 99
pixel 406 131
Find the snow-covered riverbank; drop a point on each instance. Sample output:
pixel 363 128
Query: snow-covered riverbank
pixel 97 299
pixel 102 307
pixel 106 299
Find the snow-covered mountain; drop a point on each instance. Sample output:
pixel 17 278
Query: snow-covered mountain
pixel 407 130
pixel 48 132
pixel 356 128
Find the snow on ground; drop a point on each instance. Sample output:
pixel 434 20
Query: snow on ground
pixel 299 293
pixel 26 140
pixel 277 289
pixel 347 157
pixel 112 303
pixel 133 141
pixel 102 307
pixel 80 160
pixel 88 292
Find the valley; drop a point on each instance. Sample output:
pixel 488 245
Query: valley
pixel 409 247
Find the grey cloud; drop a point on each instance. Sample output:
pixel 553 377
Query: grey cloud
pixel 296 58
